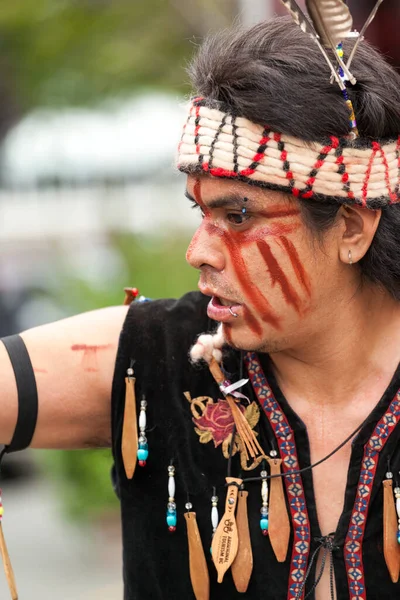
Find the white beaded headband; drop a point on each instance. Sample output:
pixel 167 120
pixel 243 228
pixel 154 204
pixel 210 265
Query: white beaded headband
pixel 348 171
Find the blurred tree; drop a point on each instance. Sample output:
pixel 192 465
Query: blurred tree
pixel 68 52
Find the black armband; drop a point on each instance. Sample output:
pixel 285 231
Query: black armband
pixel 27 393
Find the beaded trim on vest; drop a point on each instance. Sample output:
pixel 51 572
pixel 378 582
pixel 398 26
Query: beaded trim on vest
pixel 360 172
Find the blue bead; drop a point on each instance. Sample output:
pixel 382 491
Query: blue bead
pixel 398 537
pixel 142 454
pixel 264 524
pixel 143 446
pixel 171 519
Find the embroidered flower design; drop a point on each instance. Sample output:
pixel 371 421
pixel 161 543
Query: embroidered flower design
pixel 217 419
pixel 214 423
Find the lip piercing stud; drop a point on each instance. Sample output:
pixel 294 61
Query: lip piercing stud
pixel 232 313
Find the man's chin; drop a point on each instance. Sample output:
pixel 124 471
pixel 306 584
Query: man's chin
pixel 241 338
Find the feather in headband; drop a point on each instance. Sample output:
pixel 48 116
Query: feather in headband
pixel 331 23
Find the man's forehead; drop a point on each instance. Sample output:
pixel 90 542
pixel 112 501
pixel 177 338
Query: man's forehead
pixel 208 189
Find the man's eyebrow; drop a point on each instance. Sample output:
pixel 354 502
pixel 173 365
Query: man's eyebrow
pixel 232 200
pixel 189 197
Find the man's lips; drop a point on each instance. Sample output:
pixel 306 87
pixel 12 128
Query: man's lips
pixel 219 312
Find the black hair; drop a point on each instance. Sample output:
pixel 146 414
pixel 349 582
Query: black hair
pixel 274 73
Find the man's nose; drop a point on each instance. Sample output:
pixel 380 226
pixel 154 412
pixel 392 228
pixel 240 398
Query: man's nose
pixel 206 249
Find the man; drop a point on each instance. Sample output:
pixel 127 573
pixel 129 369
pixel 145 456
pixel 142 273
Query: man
pixel 298 248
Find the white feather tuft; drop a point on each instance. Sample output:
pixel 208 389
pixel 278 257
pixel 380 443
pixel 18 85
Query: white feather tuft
pixel 208 346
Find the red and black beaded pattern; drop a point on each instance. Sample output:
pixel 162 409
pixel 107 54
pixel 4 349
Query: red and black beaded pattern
pixel 308 191
pixel 294 485
pixel 355 535
pixel 219 172
pixel 215 140
pixel 376 159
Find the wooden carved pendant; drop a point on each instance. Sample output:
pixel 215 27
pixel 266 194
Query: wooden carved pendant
pixel 129 445
pixel 278 525
pixel 197 561
pixel 226 540
pixel 391 548
pixel 242 566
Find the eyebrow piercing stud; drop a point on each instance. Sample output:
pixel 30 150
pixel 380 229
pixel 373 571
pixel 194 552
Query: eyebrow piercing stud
pixel 232 313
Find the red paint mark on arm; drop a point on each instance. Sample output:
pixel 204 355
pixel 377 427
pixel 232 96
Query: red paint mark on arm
pixel 84 347
pixel 89 358
pixel 36 370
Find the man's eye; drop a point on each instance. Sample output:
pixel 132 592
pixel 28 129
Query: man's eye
pixel 237 218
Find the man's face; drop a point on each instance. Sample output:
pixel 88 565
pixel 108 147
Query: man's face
pixel 258 261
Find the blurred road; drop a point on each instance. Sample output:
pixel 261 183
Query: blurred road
pixel 52 558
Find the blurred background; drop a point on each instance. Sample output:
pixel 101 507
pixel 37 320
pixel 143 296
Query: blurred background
pixel 91 95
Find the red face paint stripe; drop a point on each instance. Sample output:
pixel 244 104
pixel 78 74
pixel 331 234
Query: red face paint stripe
pixel 252 322
pixel 273 230
pixel 259 302
pixel 298 268
pixel 278 276
pixel 198 197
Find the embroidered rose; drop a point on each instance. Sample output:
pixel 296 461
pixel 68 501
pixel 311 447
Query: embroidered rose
pixel 214 423
pixel 217 419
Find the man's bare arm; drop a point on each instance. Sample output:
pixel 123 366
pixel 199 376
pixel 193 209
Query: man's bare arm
pixel 73 361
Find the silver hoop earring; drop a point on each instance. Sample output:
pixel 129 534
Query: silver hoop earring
pixel 350 258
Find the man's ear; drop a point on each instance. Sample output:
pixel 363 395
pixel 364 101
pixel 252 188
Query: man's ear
pixel 358 227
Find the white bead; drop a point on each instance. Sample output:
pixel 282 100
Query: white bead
pixel 171 486
pixel 142 419
pixel 214 517
pixel 264 490
pixel 398 507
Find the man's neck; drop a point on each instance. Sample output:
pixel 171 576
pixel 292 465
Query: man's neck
pixel 358 348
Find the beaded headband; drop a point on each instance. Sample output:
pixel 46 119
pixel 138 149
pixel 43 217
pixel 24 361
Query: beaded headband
pixel 348 171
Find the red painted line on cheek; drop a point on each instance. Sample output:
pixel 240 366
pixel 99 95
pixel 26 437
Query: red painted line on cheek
pixel 278 276
pixel 250 290
pixel 252 322
pixel 298 267
pixel 272 230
